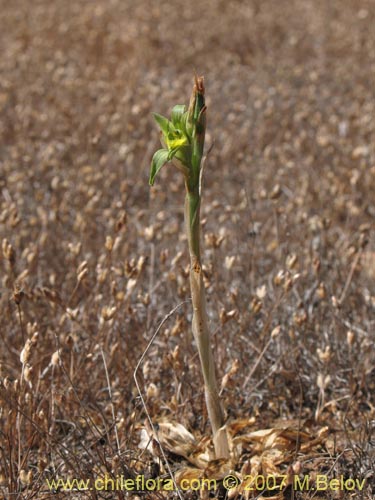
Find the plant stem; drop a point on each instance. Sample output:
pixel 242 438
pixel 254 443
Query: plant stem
pixel 200 323
pixel 183 140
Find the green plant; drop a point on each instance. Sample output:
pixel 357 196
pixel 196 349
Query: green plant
pixel 183 139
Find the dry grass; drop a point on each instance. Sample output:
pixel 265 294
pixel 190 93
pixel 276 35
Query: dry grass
pixel 93 260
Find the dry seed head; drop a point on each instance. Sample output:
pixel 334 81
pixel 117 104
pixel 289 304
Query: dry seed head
pixel 129 267
pixel 172 276
pixel 223 316
pixel 149 233
pixel 122 422
pixel 144 299
pixel 22 276
pixel 272 246
pixel 363 240
pixel 297 467
pixel 130 285
pixel 109 243
pixel 261 292
pixel 141 263
pixel 75 249
pixel 350 337
pixel 115 462
pixel 233 294
pixel 108 313
pixel 351 251
pixel 360 151
pixel 41 416
pixel 173 403
pixel 26 352
pixel 177 327
pixel 14 218
pixel 34 338
pixel 69 341
pixel 323 381
pixel 52 279
pixel 26 477
pixel 101 274
pixel 275 332
pixel 7 383
pixel 55 358
pixel 185 271
pixel 30 256
pixel 226 316
pixel 114 349
pixel 113 288
pixel 27 372
pixel 276 192
pixel 296 277
pixel 230 374
pixel 324 356
pixel 279 278
pixel 8 252
pixel 335 302
pixel 51 295
pixel 146 369
pixel 326 222
pixel 163 257
pixel 300 318
pixel 288 284
pixel 81 276
pixel 364 228
pixel 315 224
pixel 321 291
pixel 256 305
pixel 176 354
pixel 316 264
pixel 31 328
pixel 229 261
pixel 213 241
pixel 291 261
pixel 18 293
pixel 121 221
pixel 152 391
pixel 116 242
pixel 42 465
pixel 82 270
pixel 72 313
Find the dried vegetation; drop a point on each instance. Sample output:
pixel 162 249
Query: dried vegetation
pixel 92 261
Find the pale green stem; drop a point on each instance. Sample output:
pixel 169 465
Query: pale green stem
pixel 200 324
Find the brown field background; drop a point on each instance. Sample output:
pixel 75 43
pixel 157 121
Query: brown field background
pixel 93 259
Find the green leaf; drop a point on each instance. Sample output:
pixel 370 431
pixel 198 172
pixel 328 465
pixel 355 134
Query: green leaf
pixel 172 153
pixel 177 115
pixel 164 124
pixel 160 158
pixel 183 155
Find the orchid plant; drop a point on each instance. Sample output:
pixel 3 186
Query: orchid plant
pixel 182 137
